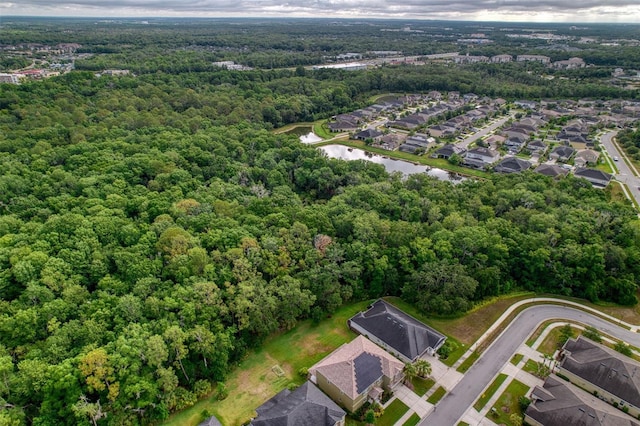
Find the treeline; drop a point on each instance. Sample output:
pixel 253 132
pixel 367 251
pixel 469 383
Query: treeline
pixel 150 235
pixel 630 141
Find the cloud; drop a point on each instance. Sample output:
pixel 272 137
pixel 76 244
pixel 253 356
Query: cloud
pixel 512 10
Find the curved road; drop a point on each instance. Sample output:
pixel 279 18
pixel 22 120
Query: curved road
pixel 452 407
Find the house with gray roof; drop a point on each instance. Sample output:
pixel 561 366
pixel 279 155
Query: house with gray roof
pixel 357 372
pixel 586 156
pixel 551 170
pixel 481 157
pixel 373 134
pixel 397 332
pixel 598 178
pixel 305 406
pixel 512 165
pixel 558 403
pixel 562 153
pixel 597 368
pixel 448 150
pixel 537 146
pixel 210 421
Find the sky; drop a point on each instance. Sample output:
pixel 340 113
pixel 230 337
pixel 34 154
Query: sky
pixel 616 11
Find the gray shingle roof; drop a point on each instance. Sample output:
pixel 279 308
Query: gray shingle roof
pixel 398 330
pixel 562 404
pixel 305 406
pixel 604 368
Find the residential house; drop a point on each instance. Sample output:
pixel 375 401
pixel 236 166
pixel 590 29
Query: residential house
pixel 494 141
pixel 417 142
pixel 515 143
pixel 552 170
pixel 580 142
pixel 396 331
pixel 343 126
pixel 597 368
pixel 366 134
pixel 526 104
pixel 537 146
pixel 512 165
pixel 598 178
pixel 562 153
pixel 391 141
pixel 557 403
pixel 440 130
pixel 586 156
pixel 357 372
pixel 481 157
pixel 307 405
pixel 434 94
pixel 449 150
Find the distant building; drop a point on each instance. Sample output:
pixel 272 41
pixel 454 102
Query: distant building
pixel 569 64
pixel 534 58
pixel 9 78
pixel 501 59
pixel 599 179
pixel 348 66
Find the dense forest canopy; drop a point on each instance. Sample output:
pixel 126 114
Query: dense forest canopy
pixel 152 230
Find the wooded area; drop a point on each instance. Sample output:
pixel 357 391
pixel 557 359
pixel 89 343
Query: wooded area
pixel 152 230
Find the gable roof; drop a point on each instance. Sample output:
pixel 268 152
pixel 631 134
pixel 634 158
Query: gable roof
pixel 560 404
pixel 563 151
pixel 368 133
pixel 305 406
pixel 551 170
pixel 512 165
pixel 592 174
pixel 483 152
pixel 396 329
pixel 351 372
pixel 604 368
pixel 211 421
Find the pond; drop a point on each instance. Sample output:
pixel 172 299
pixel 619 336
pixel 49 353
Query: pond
pixel 305 133
pixel 390 164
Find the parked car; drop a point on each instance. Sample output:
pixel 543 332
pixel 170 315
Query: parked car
pixel 615 158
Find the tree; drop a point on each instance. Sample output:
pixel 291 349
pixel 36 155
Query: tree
pixel 423 368
pixel 623 348
pixel 592 333
pixel 566 333
pixel 410 372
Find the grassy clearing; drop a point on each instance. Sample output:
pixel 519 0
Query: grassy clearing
pixel 508 404
pixel 550 343
pixel 412 421
pixel 516 359
pixel 421 386
pixel 437 395
pixel 534 336
pixel 320 128
pixel 463 424
pixel 531 367
pixel 392 413
pixel 467 363
pixel 486 396
pixel 254 381
pixel 605 167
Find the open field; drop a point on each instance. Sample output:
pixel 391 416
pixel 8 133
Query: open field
pixel 486 396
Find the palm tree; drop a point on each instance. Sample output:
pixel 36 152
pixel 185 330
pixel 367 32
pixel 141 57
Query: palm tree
pixel 423 368
pixel 410 372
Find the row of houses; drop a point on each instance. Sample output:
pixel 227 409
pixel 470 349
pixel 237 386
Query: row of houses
pixel 603 389
pixel 571 63
pixel 355 373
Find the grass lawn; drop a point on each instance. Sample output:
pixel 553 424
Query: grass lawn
pixel 254 380
pixel 508 404
pixel 463 424
pixel 467 363
pixel 550 343
pixel 421 386
pixel 392 413
pixel 486 396
pixel 516 359
pixel 534 336
pixel 437 395
pixel 531 366
pixel 413 420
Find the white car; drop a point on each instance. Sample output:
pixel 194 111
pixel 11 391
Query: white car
pixel 615 158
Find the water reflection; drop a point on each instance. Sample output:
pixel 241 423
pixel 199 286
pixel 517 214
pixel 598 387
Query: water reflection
pixel 390 164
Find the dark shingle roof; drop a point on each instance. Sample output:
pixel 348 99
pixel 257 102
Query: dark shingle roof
pixel 551 170
pixel 403 333
pixel 211 421
pixel 592 174
pixel 512 165
pixel 305 406
pixel 604 368
pixel 561 404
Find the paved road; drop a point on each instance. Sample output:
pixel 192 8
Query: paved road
pixel 625 175
pixel 452 407
pixel 483 132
